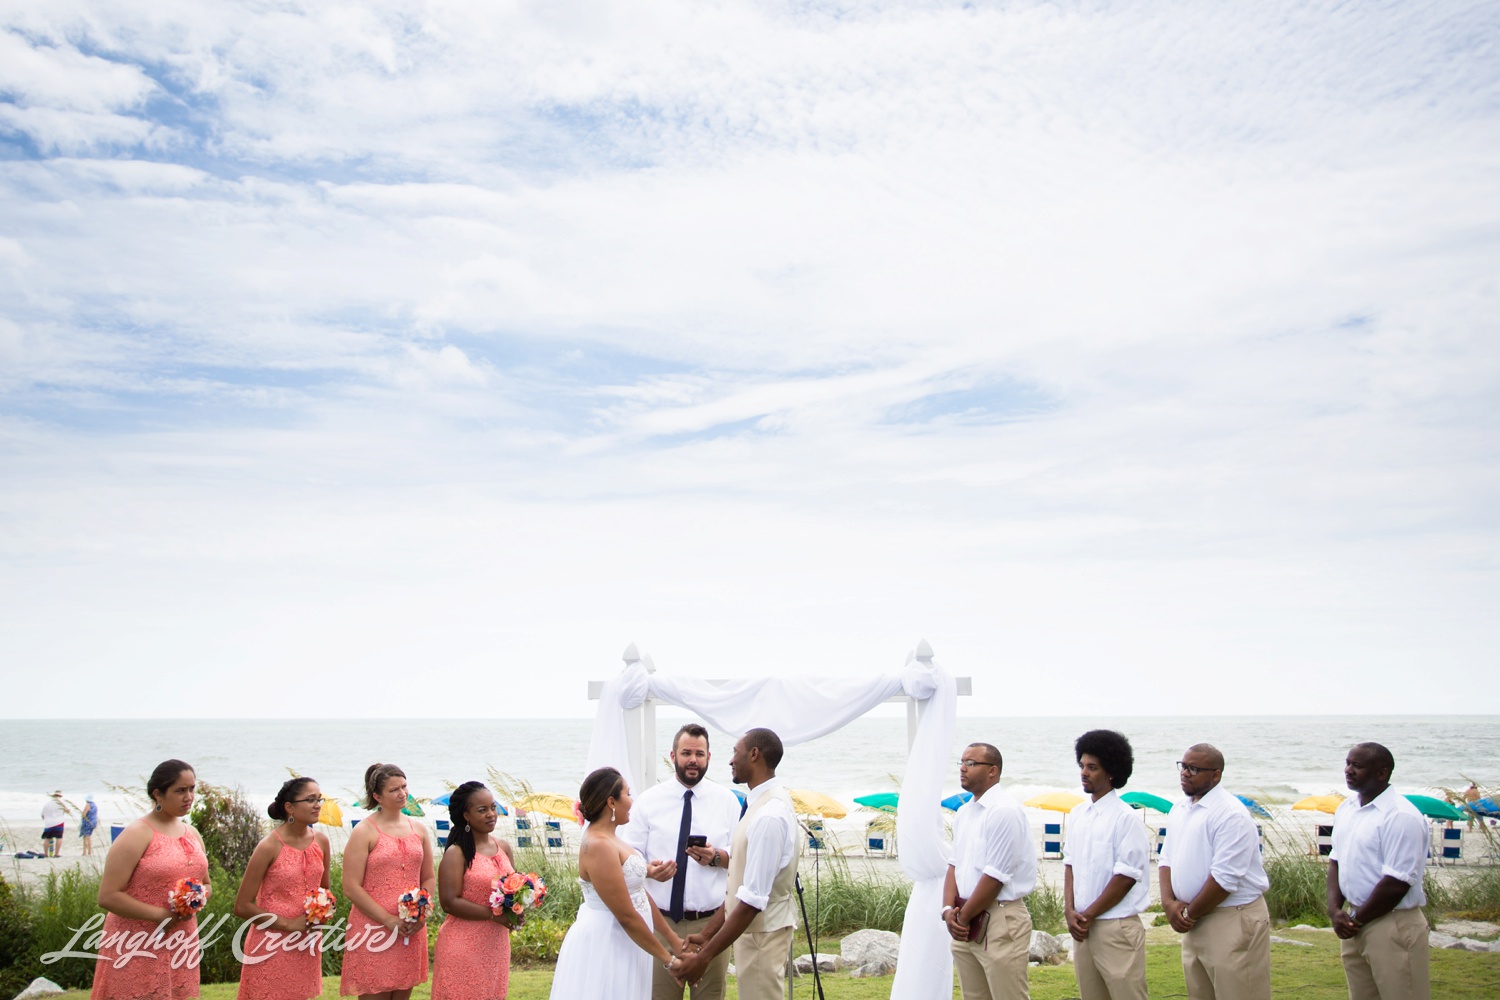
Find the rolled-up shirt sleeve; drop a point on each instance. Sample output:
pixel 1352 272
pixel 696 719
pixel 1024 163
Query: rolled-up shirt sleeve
pixel 764 855
pixel 1134 852
pixel 1406 852
pixel 999 851
pixel 1235 844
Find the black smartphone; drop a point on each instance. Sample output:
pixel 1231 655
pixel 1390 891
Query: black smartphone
pixel 697 840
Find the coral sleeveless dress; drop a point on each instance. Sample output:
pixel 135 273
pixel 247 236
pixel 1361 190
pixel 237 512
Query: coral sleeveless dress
pixel 373 963
pixel 170 972
pixel 473 956
pixel 270 971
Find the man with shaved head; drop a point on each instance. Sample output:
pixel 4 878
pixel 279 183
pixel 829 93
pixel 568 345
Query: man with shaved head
pixel 1213 885
pixel 1379 851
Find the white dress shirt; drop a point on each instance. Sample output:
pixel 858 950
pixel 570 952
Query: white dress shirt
pixel 1214 836
pixel 656 820
pixel 769 845
pixel 1106 838
pixel 1387 837
pixel 991 836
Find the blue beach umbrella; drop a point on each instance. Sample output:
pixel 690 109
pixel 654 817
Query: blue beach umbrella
pixel 952 802
pixel 1484 807
pixel 743 801
pixel 1256 809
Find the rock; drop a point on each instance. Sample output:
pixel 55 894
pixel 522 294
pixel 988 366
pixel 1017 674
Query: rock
pixel 1282 940
pixel 1046 949
pixel 1310 927
pixel 867 949
pixel 1469 928
pixel 826 963
pixel 729 971
pixel 1469 944
pixel 41 988
pixel 877 968
pixel 1436 940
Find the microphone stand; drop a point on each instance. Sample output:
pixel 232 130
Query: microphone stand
pixel 802 900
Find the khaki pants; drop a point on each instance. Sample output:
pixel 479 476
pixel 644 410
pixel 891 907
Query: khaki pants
pixel 1111 962
pixel 996 970
pixel 1227 955
pixel 1387 959
pixel 760 964
pixel 710 987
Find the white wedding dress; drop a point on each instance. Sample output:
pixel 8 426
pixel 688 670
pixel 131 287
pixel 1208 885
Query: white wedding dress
pixel 598 961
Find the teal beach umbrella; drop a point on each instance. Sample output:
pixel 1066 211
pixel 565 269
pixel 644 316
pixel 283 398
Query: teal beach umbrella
pixel 1434 808
pixel 1145 800
pixel 884 801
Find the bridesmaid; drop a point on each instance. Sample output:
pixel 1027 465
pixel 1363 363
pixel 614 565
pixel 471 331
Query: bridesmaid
pixel 141 868
pixel 473 945
pixel 286 866
pixel 386 855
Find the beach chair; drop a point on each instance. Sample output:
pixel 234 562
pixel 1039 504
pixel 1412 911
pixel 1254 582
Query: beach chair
pixel 1452 844
pixel 115 829
pixel 1052 840
pixel 1324 839
pixel 815 835
pixel 524 836
pixel 442 833
pixel 879 843
pixel 553 828
pixel 1161 838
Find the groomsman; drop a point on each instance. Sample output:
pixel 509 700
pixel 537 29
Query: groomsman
pixel 1379 851
pixel 1104 875
pixel 759 913
pixel 685 826
pixel 1213 885
pixel 984 893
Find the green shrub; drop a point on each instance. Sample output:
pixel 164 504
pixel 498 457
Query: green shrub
pixel 229 825
pixel 1471 895
pixel 1299 889
pixel 538 940
pixel 18 964
pixel 61 904
pixel 1047 909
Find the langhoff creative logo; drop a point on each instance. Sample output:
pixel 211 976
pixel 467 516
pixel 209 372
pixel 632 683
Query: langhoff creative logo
pixel 186 950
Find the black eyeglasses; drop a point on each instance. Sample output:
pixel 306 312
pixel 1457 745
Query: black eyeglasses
pixel 966 763
pixel 316 800
pixel 1192 770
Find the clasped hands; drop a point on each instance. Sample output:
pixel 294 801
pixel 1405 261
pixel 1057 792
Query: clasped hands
pixel 1345 925
pixel 1177 915
pixel 689 964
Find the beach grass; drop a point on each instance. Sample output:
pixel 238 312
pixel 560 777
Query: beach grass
pixel 1309 973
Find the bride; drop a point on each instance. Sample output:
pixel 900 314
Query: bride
pixel 608 951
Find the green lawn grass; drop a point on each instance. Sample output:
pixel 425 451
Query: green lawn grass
pixel 1312 973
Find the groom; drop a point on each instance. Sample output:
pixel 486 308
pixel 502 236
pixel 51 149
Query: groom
pixel 759 912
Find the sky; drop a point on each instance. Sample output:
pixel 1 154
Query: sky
pixel 414 358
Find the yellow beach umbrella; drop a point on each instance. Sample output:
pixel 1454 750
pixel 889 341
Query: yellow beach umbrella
pixel 548 804
pixel 809 803
pixel 1054 801
pixel 331 814
pixel 1320 803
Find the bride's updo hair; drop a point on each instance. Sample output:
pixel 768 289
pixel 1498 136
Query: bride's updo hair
pixel 596 791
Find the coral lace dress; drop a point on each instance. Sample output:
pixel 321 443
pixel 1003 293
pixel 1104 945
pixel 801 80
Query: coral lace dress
pixel 170 970
pixel 372 962
pixel 473 956
pixel 276 968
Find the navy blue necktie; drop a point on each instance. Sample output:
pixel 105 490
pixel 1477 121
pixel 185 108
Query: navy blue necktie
pixel 679 881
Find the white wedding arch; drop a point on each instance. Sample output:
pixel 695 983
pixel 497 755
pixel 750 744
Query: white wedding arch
pixel 800 709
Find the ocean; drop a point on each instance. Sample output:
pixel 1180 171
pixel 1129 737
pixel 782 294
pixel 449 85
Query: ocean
pixel 1275 759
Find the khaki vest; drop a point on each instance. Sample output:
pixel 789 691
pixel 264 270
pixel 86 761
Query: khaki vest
pixel 781 910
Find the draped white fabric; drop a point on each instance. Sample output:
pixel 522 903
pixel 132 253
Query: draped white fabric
pixel 800 709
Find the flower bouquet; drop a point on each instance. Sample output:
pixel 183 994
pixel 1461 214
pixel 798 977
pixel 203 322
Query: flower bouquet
pixel 413 905
pixel 186 897
pixel 510 896
pixel 319 906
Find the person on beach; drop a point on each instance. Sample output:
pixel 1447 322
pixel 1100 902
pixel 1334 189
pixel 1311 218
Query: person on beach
pixel 53 819
pixel 608 952
pixel 688 877
pixel 1213 885
pixel 1105 861
pixel 385 957
pixel 1380 844
pixel 88 824
pixel 473 945
pixel 283 955
pixel 984 893
pixel 140 871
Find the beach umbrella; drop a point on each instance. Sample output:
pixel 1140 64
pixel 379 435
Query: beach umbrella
pixel 884 801
pixel 809 803
pixel 1484 807
pixel 331 814
pixel 952 802
pixel 1256 809
pixel 1320 803
pixel 1054 801
pixel 548 804
pixel 1145 800
pixel 1434 808
pixel 412 807
pixel 443 799
pixel 743 801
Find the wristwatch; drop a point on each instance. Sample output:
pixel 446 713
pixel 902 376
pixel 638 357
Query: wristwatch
pixel 713 862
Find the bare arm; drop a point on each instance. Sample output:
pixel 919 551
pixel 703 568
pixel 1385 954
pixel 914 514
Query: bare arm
pixel 1208 898
pixel 119 865
pixel 1344 925
pixel 607 877
pixel 245 906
